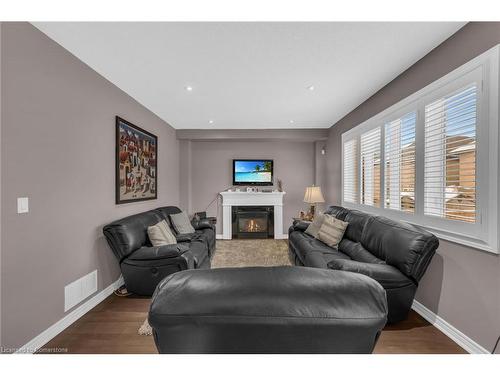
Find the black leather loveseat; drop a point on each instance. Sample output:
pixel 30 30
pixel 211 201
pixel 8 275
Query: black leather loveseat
pixel 393 253
pixel 143 266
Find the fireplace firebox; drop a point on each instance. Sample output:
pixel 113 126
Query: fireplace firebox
pixel 253 221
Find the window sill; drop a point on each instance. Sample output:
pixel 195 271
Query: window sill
pixel 459 239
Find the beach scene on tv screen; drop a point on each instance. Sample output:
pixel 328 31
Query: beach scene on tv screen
pixel 252 171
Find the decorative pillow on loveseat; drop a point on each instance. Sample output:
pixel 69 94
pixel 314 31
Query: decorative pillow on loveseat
pixel 181 223
pixel 332 230
pixel 160 234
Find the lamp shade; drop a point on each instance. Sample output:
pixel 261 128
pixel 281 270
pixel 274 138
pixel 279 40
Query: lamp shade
pixel 313 195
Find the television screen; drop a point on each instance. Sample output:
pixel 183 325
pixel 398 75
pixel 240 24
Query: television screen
pixel 253 172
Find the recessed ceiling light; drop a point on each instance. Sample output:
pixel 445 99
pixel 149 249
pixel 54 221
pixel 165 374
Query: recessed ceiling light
pixel 311 88
pixel 291 121
pixel 189 88
pixel 210 121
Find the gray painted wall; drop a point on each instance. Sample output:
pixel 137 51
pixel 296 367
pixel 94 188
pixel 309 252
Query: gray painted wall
pixel 57 148
pixel 462 284
pixel 210 170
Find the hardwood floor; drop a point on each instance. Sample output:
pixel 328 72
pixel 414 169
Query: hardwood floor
pixel 111 327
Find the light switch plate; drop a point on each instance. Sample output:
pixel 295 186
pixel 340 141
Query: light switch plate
pixel 22 205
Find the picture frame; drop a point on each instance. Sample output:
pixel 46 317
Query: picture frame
pixel 136 159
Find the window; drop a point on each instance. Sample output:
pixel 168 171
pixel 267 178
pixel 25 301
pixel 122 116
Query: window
pixel 400 163
pixel 370 168
pixel 350 174
pixel 432 158
pixel 450 156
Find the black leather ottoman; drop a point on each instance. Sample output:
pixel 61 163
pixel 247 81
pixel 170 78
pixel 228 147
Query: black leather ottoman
pixel 267 310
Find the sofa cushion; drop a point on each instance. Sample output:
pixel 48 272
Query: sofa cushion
pixel 181 223
pixel 337 211
pixel 388 276
pixel 166 211
pixel 334 255
pixel 314 227
pixel 357 252
pixel 206 235
pixel 312 252
pixel 160 234
pixel 301 225
pixel 331 230
pixel 357 221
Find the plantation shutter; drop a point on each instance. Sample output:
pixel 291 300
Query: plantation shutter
pixel 370 167
pixel 350 175
pixel 450 156
pixel 400 163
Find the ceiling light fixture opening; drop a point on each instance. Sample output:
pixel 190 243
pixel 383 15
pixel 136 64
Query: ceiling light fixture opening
pixel 310 88
pixel 189 88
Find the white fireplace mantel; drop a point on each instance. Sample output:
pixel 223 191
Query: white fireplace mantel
pixel 243 198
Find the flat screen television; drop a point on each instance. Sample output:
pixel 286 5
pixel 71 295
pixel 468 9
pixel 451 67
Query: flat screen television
pixel 252 172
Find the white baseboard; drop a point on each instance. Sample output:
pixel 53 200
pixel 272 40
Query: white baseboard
pixel 36 343
pixel 282 237
pixel 459 337
pixel 69 319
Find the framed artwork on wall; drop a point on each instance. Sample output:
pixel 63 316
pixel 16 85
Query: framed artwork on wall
pixel 136 163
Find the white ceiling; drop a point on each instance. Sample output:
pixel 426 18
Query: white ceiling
pixel 249 75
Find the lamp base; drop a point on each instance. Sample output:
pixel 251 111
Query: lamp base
pixel 310 214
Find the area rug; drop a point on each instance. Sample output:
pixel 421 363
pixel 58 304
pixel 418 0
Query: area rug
pixel 243 253
pixel 251 253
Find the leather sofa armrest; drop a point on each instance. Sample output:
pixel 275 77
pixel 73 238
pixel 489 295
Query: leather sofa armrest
pixel 385 274
pixel 158 252
pixel 368 269
pixel 201 224
pixel 301 225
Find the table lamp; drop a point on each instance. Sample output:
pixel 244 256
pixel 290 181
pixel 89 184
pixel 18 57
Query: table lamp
pixel 313 196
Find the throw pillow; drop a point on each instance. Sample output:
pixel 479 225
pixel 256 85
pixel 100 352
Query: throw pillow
pixel 313 228
pixel 161 235
pixel 332 230
pixel 181 223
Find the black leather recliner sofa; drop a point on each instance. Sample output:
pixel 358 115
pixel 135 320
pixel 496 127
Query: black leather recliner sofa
pixel 143 266
pixel 394 254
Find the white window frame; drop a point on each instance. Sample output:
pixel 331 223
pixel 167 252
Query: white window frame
pixel 389 118
pixel 484 69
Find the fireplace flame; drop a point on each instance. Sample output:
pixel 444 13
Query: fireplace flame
pixel 252 226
